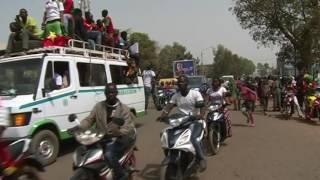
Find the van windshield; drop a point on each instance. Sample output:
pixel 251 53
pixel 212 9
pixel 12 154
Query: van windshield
pixel 195 82
pixel 19 77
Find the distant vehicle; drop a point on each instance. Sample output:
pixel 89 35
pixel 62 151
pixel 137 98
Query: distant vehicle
pixel 196 81
pixel 227 77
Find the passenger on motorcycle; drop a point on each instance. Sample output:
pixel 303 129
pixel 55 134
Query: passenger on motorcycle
pixel 189 101
pixel 7 166
pixel 291 90
pixel 218 94
pixel 102 116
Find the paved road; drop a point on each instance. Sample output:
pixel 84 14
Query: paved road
pixel 274 150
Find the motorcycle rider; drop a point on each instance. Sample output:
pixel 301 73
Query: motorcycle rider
pixel 103 115
pixel 189 101
pixel 7 166
pixel 219 93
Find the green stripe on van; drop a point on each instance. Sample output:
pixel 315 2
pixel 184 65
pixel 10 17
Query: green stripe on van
pixel 122 91
pixel 47 100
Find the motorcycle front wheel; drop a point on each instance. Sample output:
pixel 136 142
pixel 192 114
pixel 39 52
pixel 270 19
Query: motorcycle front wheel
pixel 83 174
pixel 170 172
pixel 214 136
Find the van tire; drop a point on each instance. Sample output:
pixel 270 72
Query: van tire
pixel 45 145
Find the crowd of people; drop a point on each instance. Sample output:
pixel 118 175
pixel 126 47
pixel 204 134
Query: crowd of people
pixel 61 22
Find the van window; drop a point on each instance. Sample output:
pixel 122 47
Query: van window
pixel 91 74
pixel 118 74
pixel 57 75
pixel 19 77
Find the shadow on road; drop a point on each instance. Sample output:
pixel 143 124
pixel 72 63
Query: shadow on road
pixel 297 119
pixel 150 172
pixel 138 125
pixel 67 147
pixel 240 125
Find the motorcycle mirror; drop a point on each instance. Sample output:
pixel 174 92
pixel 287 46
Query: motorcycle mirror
pixel 118 121
pixel 72 117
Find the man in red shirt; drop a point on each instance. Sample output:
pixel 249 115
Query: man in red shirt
pixel 67 17
pixel 249 96
pixel 108 27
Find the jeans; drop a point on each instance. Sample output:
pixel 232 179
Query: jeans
pixel 115 150
pixel 196 129
pixel 96 36
pixel 67 18
pixel 147 93
pixel 25 35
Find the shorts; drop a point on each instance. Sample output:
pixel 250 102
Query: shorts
pixel 247 106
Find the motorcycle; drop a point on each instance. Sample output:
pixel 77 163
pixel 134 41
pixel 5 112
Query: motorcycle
pixel 312 107
pixel 216 127
pixel 162 98
pixel 27 166
pixel 288 105
pixel 89 162
pixel 180 156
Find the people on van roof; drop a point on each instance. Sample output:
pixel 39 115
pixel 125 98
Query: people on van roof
pixel 24 28
pixel 53 18
pixel 67 17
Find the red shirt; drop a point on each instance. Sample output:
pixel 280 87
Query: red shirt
pixel 89 26
pixel 5 157
pixel 248 94
pixel 108 25
pixel 68 6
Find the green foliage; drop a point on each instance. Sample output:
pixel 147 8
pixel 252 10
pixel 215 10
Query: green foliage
pixel 227 63
pixel 281 22
pixel 148 49
pixel 168 54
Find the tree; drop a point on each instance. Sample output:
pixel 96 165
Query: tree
pixel 168 54
pixel 148 49
pixel 227 63
pixel 282 21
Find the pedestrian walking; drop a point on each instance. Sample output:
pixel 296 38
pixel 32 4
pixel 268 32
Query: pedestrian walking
pixel 148 80
pixel 249 96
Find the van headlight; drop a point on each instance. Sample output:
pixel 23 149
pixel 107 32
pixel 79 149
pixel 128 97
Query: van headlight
pixel 20 119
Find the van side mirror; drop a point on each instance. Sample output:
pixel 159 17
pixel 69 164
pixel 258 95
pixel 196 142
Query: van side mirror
pixel 72 117
pixel 44 92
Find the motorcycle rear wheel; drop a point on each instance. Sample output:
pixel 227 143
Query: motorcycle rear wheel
pixel 214 140
pixel 170 172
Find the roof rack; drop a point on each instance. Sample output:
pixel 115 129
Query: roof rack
pixel 77 47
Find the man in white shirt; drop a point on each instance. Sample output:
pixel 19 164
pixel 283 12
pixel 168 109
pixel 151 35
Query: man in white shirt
pixel 148 80
pixel 189 101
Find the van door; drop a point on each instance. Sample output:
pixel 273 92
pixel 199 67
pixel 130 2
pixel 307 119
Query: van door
pixel 92 79
pixel 61 92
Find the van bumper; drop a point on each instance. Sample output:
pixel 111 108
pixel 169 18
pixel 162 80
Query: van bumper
pixel 14 133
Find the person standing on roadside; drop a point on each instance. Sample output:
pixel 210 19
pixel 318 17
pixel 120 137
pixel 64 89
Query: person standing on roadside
pixel 148 80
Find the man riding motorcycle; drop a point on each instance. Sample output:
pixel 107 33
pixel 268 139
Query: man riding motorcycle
pixel 102 115
pixel 219 93
pixel 189 101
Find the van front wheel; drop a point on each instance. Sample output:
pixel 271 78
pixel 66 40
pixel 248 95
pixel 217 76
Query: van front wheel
pixel 45 145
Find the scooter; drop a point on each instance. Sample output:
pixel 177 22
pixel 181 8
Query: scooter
pixel 216 127
pixel 312 107
pixel 89 162
pixel 180 156
pixel 162 98
pixel 288 105
pixel 27 166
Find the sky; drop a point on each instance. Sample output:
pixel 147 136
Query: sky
pixel 198 25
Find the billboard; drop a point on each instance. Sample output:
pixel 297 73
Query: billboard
pixel 186 67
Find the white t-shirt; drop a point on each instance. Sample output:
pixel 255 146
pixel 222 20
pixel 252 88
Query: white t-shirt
pixel 215 96
pixel 186 105
pixel 53 9
pixel 147 77
pixel 58 79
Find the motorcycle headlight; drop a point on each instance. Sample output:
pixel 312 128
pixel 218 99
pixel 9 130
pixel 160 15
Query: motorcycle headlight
pixel 184 138
pixel 214 107
pixel 176 122
pixel 164 140
pixel 160 91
